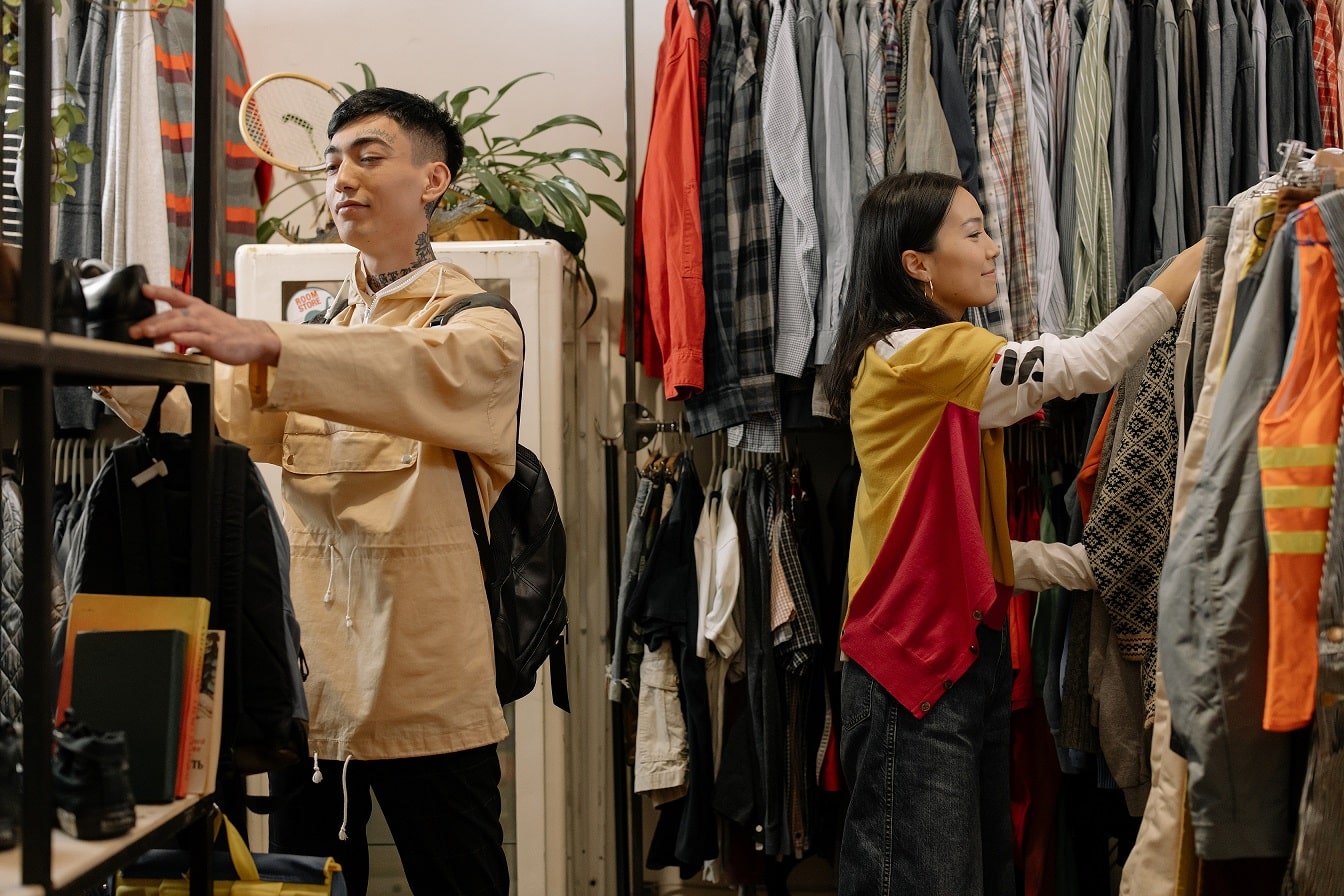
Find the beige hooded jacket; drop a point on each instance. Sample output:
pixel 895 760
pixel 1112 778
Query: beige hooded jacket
pixel 362 416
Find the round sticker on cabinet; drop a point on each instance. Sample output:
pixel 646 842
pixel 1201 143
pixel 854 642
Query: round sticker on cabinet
pixel 307 302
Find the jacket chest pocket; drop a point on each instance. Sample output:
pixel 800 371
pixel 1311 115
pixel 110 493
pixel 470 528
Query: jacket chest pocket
pixel 341 450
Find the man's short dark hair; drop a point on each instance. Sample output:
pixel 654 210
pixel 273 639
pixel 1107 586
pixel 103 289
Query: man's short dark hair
pixel 431 128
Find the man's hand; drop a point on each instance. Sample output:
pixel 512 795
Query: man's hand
pixel 191 323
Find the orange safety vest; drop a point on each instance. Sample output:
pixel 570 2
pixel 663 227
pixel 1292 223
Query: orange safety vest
pixel 1298 432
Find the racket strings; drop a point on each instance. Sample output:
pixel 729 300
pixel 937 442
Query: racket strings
pixel 286 118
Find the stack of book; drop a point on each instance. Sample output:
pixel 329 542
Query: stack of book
pixel 151 667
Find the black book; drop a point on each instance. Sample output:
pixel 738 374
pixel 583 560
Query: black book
pixel 132 681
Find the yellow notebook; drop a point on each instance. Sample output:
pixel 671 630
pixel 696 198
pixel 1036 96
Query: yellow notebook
pixel 122 612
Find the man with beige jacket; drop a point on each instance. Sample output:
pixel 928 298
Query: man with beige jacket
pixel 363 417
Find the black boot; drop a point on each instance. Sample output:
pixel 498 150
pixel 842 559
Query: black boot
pixel 90 784
pixel 68 311
pixel 11 784
pixel 115 302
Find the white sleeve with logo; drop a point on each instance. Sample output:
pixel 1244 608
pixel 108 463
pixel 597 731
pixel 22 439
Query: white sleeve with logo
pixel 1038 566
pixel 1028 374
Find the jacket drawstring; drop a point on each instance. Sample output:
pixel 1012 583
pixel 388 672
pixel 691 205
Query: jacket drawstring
pixel 350 586
pixel 345 798
pixel 345 791
pixel 331 571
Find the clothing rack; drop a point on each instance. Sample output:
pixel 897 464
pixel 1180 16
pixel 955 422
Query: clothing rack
pixel 36 360
pixel 638 428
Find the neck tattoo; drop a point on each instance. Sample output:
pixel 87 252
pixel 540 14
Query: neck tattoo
pixel 424 254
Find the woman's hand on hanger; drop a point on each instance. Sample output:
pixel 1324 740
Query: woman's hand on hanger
pixel 1176 278
pixel 192 323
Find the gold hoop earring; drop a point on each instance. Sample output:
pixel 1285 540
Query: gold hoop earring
pixel 928 289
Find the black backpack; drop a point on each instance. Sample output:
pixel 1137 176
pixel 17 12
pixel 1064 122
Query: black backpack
pixel 524 563
pixel 137 540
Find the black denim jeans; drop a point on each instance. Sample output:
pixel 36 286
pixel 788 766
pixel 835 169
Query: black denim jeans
pixel 443 812
pixel 929 809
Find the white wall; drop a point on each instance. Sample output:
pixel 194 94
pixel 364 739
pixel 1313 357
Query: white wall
pixel 428 46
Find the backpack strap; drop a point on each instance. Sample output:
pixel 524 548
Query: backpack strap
pixel 478 529
pixel 143 507
pixel 476 512
pixel 559 676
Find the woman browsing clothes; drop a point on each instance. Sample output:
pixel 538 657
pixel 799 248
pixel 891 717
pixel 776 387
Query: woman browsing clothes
pixel 926 684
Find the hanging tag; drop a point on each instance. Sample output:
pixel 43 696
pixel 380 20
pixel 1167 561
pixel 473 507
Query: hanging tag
pixel 158 468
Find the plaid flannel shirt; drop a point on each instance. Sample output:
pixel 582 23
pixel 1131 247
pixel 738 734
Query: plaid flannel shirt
pixel 1326 64
pixel 749 238
pixel 721 404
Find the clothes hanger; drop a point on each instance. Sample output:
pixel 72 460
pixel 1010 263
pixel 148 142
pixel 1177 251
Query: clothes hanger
pixel 715 459
pixel 60 465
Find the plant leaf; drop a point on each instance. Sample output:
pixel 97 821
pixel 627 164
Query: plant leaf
pixel 562 203
pixel 459 100
pixel 532 207
pixel 608 205
pixel 475 120
pixel 574 189
pixel 561 120
pixel 499 94
pixel 582 154
pixel 266 229
pixel 592 287
pixel 81 154
pixel 616 161
pixel 495 191
pixel 369 79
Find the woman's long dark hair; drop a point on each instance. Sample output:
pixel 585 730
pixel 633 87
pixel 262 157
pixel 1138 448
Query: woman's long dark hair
pixel 902 212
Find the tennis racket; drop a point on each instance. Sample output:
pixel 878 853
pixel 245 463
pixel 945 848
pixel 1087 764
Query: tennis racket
pixel 284 120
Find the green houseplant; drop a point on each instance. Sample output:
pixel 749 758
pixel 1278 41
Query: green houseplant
pixel 532 189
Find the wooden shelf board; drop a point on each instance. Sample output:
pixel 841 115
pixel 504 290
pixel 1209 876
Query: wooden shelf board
pixel 75 359
pixel 21 346
pixel 72 860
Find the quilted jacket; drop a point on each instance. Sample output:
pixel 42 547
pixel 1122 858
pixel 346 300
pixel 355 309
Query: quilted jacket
pixel 11 587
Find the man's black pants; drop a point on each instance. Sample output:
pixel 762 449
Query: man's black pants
pixel 443 812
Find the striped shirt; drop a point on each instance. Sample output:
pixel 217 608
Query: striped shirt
pixel 1094 283
pixel 174 62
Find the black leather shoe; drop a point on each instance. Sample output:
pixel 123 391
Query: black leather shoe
pixel 115 302
pixel 90 781
pixel 11 776
pixel 68 311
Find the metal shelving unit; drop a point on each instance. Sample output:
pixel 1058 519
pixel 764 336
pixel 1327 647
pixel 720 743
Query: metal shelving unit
pixel 34 360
